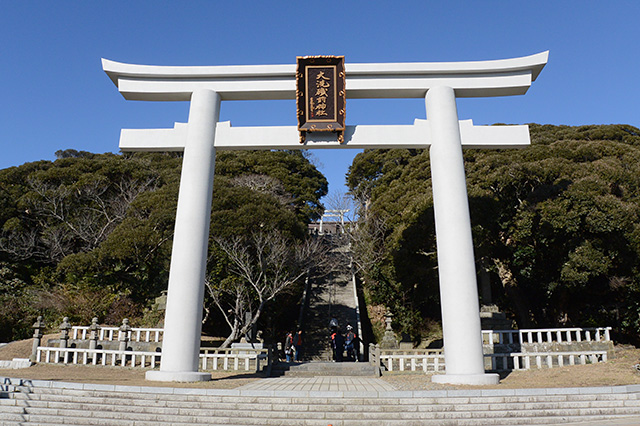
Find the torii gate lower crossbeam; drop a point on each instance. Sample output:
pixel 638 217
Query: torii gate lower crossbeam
pixel 440 84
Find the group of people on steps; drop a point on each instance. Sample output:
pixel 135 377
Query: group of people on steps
pixel 293 346
pixel 340 343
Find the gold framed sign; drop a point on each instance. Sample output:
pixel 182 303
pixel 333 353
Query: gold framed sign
pixel 320 95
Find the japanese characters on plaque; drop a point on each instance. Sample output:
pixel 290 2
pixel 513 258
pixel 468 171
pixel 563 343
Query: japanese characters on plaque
pixel 320 95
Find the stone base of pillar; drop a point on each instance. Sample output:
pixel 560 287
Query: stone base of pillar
pixel 177 376
pixel 466 379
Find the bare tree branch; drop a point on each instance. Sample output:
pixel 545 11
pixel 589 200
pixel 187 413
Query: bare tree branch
pixel 263 265
pixel 65 219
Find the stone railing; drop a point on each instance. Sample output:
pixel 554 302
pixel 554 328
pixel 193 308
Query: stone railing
pixel 235 359
pixel 80 332
pixel 210 359
pixel 529 360
pixel 396 360
pixel 425 360
pixel 546 335
pixel 141 359
pixel 534 348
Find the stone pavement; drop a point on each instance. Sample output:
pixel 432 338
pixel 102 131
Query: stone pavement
pixel 322 383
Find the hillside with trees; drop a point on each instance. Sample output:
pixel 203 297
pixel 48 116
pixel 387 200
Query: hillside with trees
pixel 90 234
pixel 556 227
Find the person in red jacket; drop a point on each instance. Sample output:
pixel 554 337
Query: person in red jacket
pixel 297 344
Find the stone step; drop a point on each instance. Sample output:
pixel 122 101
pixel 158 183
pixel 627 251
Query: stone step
pixel 348 411
pixel 283 405
pixel 148 406
pixel 329 297
pixel 144 413
pixel 158 397
pixel 335 419
pixel 345 413
pixel 323 368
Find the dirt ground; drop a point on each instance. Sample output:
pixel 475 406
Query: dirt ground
pixel 619 370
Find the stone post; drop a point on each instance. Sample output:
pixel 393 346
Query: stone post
pixel 374 357
pixel 389 340
pixel 183 318
pixel 64 332
pixel 123 335
pixel 38 327
pixel 461 331
pixel 94 330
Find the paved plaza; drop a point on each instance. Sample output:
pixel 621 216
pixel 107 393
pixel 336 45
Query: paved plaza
pixel 323 383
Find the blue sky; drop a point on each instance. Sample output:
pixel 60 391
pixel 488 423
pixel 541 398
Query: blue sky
pixel 56 96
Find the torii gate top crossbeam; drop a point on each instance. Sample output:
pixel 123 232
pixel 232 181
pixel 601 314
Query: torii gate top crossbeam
pixel 266 82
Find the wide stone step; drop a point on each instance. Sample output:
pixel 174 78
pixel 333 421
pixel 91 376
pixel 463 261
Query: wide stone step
pixel 57 403
pixel 311 369
pixel 162 396
pixel 313 413
pixel 241 418
pixel 311 406
pixel 234 401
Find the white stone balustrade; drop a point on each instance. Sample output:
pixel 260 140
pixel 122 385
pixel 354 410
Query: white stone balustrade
pixel 210 359
pixel 395 360
pixel 430 360
pixel 529 360
pixel 97 357
pixel 425 360
pixel 232 359
pixel 111 334
pixel 546 335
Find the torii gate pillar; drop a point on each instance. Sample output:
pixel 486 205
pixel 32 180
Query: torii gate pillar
pixel 461 330
pixel 183 317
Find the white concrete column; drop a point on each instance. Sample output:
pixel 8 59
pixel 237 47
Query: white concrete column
pixel 462 334
pixel 183 317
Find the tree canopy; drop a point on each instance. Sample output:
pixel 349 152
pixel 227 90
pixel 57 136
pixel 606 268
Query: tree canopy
pixel 90 234
pixel 556 225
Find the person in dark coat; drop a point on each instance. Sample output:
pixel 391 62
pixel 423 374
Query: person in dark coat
pixel 288 346
pixel 351 344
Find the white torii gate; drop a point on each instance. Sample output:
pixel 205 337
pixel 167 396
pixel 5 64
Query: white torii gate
pixel 334 213
pixel 439 83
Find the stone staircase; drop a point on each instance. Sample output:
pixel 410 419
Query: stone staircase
pixel 53 403
pixel 329 297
